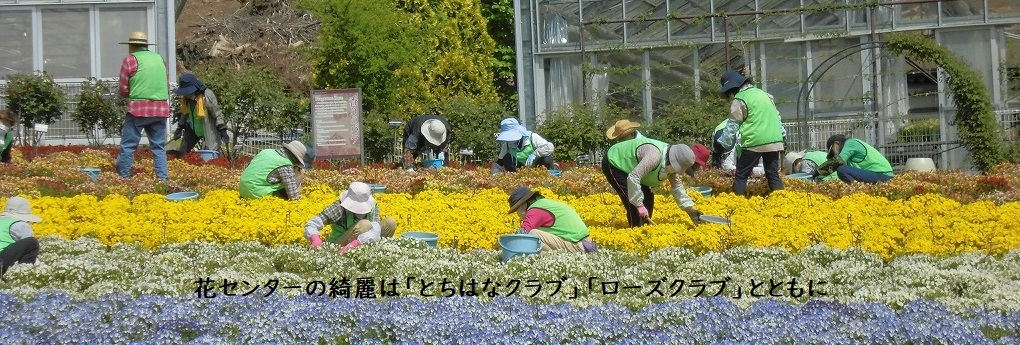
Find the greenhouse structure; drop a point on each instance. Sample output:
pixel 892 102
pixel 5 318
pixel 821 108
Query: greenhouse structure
pixel 822 60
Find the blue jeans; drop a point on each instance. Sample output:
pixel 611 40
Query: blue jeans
pixel 850 174
pixel 155 131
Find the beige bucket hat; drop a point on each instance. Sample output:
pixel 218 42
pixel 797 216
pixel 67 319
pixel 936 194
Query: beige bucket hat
pixel 358 198
pixel 18 208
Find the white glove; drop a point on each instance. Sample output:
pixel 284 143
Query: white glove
pixel 411 169
pixel 530 161
pixel 442 156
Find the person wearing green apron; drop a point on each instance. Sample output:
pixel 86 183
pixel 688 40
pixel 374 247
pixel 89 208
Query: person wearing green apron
pixel 353 218
pixel 755 119
pixel 808 163
pixel 276 172
pixel 556 224
pixel 632 167
pixel 855 161
pixel 17 240
pixel 520 147
pixel 200 117
pixel 8 125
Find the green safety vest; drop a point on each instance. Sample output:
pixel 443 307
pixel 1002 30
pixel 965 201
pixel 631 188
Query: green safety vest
pixel 149 82
pixel 819 157
pixel 255 178
pixel 8 139
pixel 567 224
pixel 339 229
pixel 623 156
pixel 529 147
pixel 762 125
pixel 872 161
pixel 5 232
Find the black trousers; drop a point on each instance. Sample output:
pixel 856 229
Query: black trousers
pixel 745 165
pixel 510 163
pixel 618 179
pixel 188 141
pixel 22 251
pixel 5 157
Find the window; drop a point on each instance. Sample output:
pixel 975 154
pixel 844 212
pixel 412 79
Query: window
pixel 840 88
pixel 66 43
pixel 115 25
pixel 15 43
pixel 785 75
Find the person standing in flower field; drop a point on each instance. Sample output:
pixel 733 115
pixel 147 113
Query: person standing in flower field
pixel 556 224
pixel 144 80
pixel 200 117
pixel 634 166
pixel 17 240
pixel 754 116
pixel 354 219
pixel 8 126
pixel 276 172
pixel 520 147
pixel 854 160
pixel 426 133
pixel 727 159
pixel 808 162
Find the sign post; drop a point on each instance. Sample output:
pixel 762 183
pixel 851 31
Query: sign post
pixel 337 126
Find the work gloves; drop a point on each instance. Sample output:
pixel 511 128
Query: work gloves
pixel 693 213
pixel 531 160
pixel 830 166
pixel 222 129
pixel 642 211
pixel 178 133
pixel 316 241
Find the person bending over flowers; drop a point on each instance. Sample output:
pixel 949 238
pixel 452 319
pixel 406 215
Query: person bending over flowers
pixel 17 241
pixel 556 224
pixel 354 219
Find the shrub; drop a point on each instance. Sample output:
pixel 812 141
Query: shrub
pixel 98 116
pixel 35 97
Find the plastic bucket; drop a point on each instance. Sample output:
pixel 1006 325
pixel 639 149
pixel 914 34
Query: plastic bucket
pixel 92 172
pixel 799 176
pixel 434 163
pixel 429 238
pixel 519 245
pixel 181 196
pixel 377 188
pixel 556 173
pixel 208 155
pixel 705 191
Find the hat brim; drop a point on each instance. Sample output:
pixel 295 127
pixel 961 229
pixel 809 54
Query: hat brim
pixel 614 132
pixel 510 135
pixel 521 202
pixel 22 217
pixel 355 206
pixel 300 157
pixel 428 135
pixel 139 43
pixel 187 90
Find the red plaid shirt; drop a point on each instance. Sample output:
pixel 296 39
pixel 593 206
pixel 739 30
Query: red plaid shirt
pixel 140 108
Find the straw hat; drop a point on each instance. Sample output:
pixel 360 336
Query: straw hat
pixel 297 149
pixel 434 131
pixel 138 37
pixel 358 198
pixel 622 128
pixel 518 197
pixel 18 208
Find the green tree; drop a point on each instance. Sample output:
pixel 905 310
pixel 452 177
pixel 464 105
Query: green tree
pixel 36 98
pixel 499 15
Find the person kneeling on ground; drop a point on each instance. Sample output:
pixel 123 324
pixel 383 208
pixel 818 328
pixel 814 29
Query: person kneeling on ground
pixel 556 224
pixel 855 160
pixel 354 219
pixel 808 163
pixel 17 241
pixel 272 172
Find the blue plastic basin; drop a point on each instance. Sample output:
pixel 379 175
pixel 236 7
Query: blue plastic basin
pixel 556 173
pixel 429 238
pixel 802 176
pixel 705 191
pixel 181 196
pixel 377 188
pixel 434 163
pixel 208 155
pixel 519 245
pixel 92 172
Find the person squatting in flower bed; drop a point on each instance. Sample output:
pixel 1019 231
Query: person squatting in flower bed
pixel 635 164
pixel 368 288
pixel 424 134
pixel 354 219
pixel 17 240
pixel 276 172
pixel 520 147
pixel 556 224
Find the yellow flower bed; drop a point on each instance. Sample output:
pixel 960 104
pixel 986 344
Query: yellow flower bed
pixel 794 220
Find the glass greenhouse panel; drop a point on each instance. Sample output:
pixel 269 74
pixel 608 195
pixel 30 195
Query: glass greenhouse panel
pixel 597 30
pixel 824 19
pixel 558 26
pixel 693 28
pixel 840 88
pixel 15 42
pixel 621 72
pixel 963 10
pixel 785 72
pixel 66 43
pixel 1003 9
pixel 779 24
pixel 643 29
pixel 672 74
pixel 926 14
pixel 113 23
pixel 744 26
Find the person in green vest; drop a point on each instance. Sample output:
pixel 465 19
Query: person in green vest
pixel 855 161
pixel 276 172
pixel 556 224
pixel 8 126
pixel 623 130
pixel 200 117
pixel 354 219
pixel 144 81
pixel 727 159
pixel 754 116
pixel 17 240
pixel 632 167
pixel 520 147
pixel 808 163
